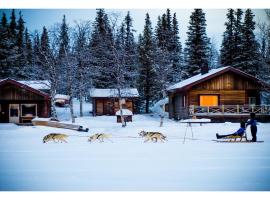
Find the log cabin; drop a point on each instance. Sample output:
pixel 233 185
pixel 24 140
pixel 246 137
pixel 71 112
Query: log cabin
pixel 222 94
pixel 20 103
pixel 106 101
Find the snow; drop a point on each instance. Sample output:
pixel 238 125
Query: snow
pixel 195 78
pixel 41 119
pixel 124 112
pixel 128 92
pixel 129 164
pixel 158 109
pixel 37 84
pixel 202 120
pixel 62 96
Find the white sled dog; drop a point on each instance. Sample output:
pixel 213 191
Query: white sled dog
pixel 100 137
pixel 153 136
pixel 56 137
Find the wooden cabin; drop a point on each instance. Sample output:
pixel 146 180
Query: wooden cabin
pixel 106 101
pixel 220 94
pixel 20 103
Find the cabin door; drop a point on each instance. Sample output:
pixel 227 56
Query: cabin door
pixel 14 113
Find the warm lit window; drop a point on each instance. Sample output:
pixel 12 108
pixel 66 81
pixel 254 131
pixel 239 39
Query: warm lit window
pixel 208 100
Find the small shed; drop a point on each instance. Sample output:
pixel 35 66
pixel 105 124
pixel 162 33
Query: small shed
pixel 126 113
pixel 61 100
pixel 106 101
pixel 20 103
pixel 220 94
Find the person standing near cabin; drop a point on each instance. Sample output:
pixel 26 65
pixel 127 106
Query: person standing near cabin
pixel 253 126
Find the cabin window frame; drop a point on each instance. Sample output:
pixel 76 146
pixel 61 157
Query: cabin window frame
pixel 21 114
pixel 218 100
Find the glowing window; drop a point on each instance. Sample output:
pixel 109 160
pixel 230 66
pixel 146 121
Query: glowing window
pixel 208 100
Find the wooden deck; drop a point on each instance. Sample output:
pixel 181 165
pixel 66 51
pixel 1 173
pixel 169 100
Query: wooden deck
pixel 232 113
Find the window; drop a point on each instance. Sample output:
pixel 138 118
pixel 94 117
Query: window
pixel 29 110
pixel 208 100
pixel 252 100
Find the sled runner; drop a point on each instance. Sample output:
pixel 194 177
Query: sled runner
pixel 237 141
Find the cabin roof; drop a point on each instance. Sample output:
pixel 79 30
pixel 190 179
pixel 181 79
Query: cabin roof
pixel 127 92
pixel 199 78
pixel 62 96
pixel 37 84
pixel 25 86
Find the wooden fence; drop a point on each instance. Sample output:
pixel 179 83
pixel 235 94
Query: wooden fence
pixel 230 109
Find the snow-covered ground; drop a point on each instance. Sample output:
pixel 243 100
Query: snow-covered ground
pixel 128 163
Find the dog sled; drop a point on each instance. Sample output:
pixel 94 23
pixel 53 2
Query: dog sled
pixel 56 124
pixel 236 139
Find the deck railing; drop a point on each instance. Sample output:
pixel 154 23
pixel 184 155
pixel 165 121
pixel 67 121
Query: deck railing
pixel 230 109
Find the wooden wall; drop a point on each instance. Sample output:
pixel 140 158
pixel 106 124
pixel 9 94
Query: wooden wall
pixel 226 97
pixel 11 92
pixel 109 106
pixel 227 81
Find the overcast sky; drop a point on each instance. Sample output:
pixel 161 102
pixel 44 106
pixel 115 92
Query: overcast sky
pixel 215 18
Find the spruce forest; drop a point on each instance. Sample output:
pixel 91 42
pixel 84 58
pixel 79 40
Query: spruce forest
pixel 104 53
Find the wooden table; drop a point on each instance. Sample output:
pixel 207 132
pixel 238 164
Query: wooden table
pixel 189 123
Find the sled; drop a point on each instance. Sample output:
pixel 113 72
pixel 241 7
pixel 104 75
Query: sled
pixel 56 124
pixel 237 141
pixel 233 138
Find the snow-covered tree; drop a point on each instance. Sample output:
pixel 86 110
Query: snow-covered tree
pixel 197 45
pixel 250 56
pixel 147 76
pixel 227 52
pixel 84 72
pixel 4 48
pixel 101 49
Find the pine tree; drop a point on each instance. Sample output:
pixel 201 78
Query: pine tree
pixel 13 48
pixel 63 54
pixel 250 56
pixel 28 50
pixel 101 49
pixel 197 44
pixel 21 60
pixel 176 52
pixel 36 50
pixel 130 54
pixel 63 39
pixel 147 74
pixel 167 39
pixel 44 46
pixel 227 48
pixel 238 40
pixel 4 48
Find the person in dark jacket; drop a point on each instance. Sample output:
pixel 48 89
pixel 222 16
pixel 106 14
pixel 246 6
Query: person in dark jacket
pixel 240 132
pixel 253 126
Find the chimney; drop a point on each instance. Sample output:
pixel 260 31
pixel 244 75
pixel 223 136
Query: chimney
pixel 204 69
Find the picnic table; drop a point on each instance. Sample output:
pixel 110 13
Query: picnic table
pixel 189 123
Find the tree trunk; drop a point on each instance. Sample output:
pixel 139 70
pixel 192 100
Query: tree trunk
pixel 53 109
pixel 81 105
pixel 147 105
pixel 71 110
pixel 123 122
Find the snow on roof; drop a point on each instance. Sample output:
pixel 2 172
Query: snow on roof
pixel 195 78
pixel 37 84
pixel 127 92
pixel 125 112
pixel 62 96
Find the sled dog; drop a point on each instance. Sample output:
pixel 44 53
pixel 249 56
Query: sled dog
pixel 99 136
pixel 56 137
pixel 153 136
